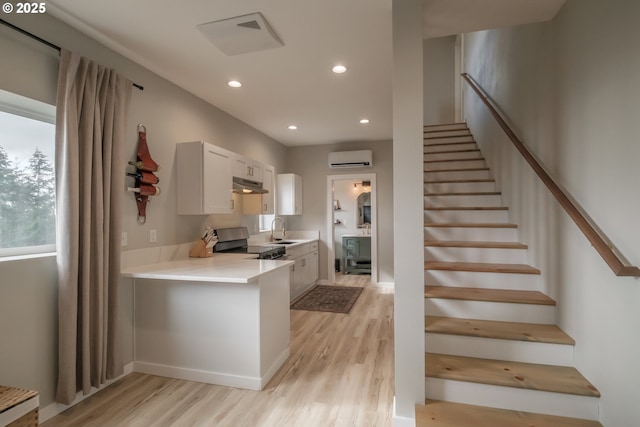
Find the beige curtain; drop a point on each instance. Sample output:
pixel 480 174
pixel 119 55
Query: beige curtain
pixel 92 107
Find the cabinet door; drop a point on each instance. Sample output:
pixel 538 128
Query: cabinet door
pixel 297 201
pixel 268 183
pixel 298 275
pixel 217 183
pixel 247 168
pixel 240 167
pixel 313 267
pixel 203 179
pixel 289 194
pixel 255 171
pixel 364 248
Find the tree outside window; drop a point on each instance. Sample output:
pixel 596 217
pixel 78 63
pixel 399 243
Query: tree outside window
pixel 27 176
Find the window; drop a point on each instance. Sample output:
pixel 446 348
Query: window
pixel 265 222
pixel 27 176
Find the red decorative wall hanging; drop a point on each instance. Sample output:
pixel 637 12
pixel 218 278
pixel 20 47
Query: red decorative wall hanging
pixel 144 175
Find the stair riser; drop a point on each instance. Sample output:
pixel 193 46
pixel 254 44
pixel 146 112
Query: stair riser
pixel 451 187
pixel 457 164
pixel 473 234
pixel 487 348
pixel 488 310
pixel 516 399
pixel 490 255
pixel 451 175
pixel 439 148
pixel 452 156
pixel 496 217
pixel 516 282
pixel 445 126
pixel 482 200
pixel 434 139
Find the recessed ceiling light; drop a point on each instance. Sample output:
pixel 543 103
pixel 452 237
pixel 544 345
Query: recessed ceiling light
pixel 365 121
pixel 293 127
pixel 339 69
pixel 234 83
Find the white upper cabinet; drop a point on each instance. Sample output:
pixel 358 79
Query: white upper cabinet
pixel 204 179
pixel 247 169
pixel 289 194
pixel 262 204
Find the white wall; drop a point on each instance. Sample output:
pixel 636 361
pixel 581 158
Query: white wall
pixel 28 297
pixel 312 163
pixel 571 89
pixel 438 56
pixel 408 244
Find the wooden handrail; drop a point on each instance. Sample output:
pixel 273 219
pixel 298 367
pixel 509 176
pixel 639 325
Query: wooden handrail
pixel 612 259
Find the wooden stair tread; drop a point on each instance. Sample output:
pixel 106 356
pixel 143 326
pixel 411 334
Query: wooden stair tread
pixel 468 150
pixel 456 181
pixel 437 144
pixel 454 160
pixel 557 379
pixel 445 124
pixel 472 244
pixel 482 267
pixel 436 413
pixel 457 170
pixel 470 224
pixel 464 128
pixel 468 134
pixel 468 193
pixel 487 295
pixel 529 332
pixel 467 208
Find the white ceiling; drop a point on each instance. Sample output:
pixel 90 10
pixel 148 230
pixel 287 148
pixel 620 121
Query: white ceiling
pixel 291 84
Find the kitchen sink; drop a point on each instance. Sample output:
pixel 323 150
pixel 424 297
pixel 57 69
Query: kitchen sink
pixel 283 242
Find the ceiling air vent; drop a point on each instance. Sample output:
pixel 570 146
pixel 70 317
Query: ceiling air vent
pixel 242 34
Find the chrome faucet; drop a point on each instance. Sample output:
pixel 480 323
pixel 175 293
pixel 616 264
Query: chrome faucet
pixel 272 228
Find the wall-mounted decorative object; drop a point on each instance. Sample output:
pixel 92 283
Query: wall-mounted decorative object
pixel 146 179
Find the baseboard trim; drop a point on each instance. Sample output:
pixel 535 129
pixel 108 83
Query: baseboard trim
pixel 398 421
pixel 211 377
pixel 56 408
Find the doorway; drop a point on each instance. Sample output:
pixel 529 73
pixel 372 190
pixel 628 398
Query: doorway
pixel 345 217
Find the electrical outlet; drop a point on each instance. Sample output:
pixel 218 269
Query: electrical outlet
pixel 124 240
pixel 153 236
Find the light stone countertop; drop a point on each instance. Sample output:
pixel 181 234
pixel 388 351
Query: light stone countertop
pixel 220 268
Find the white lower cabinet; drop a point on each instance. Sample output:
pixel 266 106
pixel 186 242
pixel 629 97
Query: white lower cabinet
pixel 304 273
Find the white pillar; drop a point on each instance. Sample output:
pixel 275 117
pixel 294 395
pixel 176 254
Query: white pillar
pixel 408 209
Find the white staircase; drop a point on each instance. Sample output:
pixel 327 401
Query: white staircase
pixel 490 335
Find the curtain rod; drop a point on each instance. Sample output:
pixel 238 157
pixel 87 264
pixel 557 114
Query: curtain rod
pixel 43 41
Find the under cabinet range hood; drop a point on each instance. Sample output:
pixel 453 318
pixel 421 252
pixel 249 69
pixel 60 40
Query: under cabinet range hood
pixel 246 186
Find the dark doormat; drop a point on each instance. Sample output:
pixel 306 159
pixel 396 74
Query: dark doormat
pixel 335 299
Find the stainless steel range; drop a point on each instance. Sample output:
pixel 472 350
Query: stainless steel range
pixel 235 240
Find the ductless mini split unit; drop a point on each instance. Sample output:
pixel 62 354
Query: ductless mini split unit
pixel 351 159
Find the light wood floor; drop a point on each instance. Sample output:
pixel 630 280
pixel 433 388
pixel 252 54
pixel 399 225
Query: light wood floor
pixel 339 373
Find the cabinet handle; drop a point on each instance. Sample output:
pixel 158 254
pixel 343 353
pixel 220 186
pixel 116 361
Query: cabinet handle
pixel 232 204
pixel 265 207
pixel 304 262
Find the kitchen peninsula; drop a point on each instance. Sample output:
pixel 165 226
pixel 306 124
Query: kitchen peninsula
pixel 220 320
